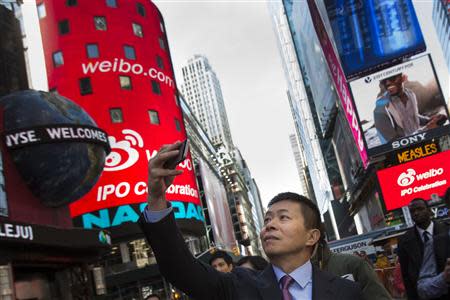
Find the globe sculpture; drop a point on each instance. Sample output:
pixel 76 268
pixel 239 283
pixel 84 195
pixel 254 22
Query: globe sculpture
pixel 60 172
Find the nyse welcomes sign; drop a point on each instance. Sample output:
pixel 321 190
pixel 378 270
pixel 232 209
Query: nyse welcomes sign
pixel 417 179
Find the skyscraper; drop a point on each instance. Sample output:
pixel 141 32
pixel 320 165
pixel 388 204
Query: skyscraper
pixel 201 88
pixel 301 166
pixel 441 18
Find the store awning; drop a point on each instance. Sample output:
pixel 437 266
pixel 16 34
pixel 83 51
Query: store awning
pixel 383 238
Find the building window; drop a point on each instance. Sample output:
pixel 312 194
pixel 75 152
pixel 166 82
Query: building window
pixel 125 82
pixel 116 115
pixel 58 59
pixel 85 86
pixel 41 10
pixel 71 2
pixel 177 125
pixel 159 62
pixel 137 30
pixel 111 3
pixel 100 23
pixel 140 9
pixel 63 26
pixel 129 52
pixel 154 117
pixel 92 51
pixel 161 44
pixel 156 88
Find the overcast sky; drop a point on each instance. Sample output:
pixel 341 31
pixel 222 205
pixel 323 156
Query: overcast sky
pixel 238 39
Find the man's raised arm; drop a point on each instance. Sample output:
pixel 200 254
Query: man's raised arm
pixel 175 261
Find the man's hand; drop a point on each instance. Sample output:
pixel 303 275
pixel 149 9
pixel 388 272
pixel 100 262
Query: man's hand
pixel 159 178
pixel 436 121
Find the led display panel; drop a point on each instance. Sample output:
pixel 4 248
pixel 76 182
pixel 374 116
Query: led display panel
pixel 417 179
pixel 400 106
pixel 372 34
pixel 121 73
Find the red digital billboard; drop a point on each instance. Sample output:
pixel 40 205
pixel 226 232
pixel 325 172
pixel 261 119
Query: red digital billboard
pixel 417 179
pixel 114 61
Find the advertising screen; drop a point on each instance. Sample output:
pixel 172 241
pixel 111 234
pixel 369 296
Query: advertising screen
pixel 218 209
pixel 372 34
pixel 339 80
pixel 120 71
pixel 422 178
pixel 400 106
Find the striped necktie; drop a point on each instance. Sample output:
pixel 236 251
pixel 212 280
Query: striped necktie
pixel 286 281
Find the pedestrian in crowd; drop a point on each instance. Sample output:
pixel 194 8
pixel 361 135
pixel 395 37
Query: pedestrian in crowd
pixel 398 285
pixel 363 255
pixel 433 287
pixel 221 261
pixel 351 267
pixel 421 254
pixel 382 261
pixel 153 297
pixel 254 262
pixel 290 232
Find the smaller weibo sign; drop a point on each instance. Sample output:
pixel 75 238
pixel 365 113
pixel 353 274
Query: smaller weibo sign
pixel 418 179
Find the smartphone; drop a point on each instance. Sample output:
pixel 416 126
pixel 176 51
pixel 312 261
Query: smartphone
pixel 173 163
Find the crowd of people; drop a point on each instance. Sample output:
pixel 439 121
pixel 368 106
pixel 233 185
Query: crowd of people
pixel 300 264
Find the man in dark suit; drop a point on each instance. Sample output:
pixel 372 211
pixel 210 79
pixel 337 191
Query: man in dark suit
pixel 420 252
pixel 289 236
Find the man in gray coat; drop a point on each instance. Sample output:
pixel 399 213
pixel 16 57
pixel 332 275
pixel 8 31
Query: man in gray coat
pixel 353 268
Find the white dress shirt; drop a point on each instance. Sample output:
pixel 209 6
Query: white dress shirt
pixel 429 229
pixel 301 288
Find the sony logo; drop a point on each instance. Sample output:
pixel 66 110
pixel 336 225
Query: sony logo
pixel 409 140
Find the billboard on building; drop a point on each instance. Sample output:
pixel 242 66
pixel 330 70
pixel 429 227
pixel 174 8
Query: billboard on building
pixel 339 80
pixel 218 209
pixel 373 34
pixel 115 63
pixel 400 106
pixel 423 178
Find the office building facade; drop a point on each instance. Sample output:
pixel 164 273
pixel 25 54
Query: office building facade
pixel 441 20
pixel 203 93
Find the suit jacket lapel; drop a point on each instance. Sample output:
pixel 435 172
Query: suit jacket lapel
pixel 440 243
pixel 415 248
pixel 269 288
pixel 321 285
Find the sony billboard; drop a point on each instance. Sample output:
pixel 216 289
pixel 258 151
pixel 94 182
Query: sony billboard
pixel 400 106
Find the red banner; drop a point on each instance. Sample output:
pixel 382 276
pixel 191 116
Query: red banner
pixel 417 179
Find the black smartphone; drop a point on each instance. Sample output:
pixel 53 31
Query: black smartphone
pixel 173 163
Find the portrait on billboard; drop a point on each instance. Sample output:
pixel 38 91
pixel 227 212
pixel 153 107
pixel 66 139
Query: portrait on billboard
pixel 400 106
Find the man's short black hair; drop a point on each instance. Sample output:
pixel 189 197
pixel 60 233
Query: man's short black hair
pixel 311 213
pixel 152 295
pixel 419 199
pixel 221 254
pixel 258 262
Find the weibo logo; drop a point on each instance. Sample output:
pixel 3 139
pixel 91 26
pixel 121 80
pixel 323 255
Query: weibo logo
pixel 123 153
pixel 406 178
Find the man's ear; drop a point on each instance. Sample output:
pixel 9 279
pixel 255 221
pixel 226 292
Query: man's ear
pixel 313 237
pixel 404 78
